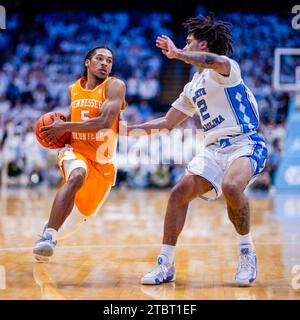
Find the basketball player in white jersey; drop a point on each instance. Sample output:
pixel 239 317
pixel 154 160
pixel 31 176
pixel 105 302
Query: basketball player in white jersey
pixel 234 153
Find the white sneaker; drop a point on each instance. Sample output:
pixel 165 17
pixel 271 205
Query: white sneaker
pixel 247 268
pixel 44 248
pixel 163 272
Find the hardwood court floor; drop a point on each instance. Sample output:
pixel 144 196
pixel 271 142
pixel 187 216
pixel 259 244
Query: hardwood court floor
pixel 107 256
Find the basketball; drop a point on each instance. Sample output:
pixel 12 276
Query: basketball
pixel 45 120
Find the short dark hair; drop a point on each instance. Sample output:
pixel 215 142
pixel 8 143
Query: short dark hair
pixel 91 53
pixel 216 33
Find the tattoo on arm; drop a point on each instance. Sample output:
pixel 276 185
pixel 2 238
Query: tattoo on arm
pixel 206 60
pixel 200 59
pixel 209 59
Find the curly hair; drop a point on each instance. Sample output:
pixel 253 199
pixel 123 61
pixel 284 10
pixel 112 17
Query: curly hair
pixel 90 55
pixel 216 33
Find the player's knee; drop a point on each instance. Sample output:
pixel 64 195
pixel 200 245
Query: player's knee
pixel 231 189
pixel 177 195
pixel 76 178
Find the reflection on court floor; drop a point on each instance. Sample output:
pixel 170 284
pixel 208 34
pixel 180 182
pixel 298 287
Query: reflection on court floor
pixel 107 256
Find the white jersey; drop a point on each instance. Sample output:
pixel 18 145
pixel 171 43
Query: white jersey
pixel 225 104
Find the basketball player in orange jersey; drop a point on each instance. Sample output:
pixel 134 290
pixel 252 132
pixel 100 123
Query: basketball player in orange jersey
pixel 87 162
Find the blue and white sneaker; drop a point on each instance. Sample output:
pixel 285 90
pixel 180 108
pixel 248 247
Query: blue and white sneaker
pixel 163 272
pixel 44 248
pixel 247 268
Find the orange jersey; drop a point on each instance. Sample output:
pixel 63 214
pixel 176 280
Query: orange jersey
pixel 86 104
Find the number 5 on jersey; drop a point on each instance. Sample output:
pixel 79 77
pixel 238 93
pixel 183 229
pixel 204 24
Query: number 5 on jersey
pixel 84 114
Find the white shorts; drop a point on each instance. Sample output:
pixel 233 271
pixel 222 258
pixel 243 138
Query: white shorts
pixel 214 160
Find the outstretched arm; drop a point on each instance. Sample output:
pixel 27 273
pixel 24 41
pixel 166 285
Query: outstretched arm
pixel 110 109
pixel 172 119
pixel 197 58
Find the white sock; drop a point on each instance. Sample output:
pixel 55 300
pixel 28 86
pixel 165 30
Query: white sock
pixel 245 240
pixel 167 251
pixel 52 232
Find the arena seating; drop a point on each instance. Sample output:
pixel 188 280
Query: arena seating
pixel 39 63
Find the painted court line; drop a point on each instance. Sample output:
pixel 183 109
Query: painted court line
pixel 200 244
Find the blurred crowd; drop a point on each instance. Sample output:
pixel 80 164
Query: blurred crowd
pixel 255 42
pixel 39 63
pixel 256 36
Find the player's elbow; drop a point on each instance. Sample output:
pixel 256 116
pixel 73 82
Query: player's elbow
pixel 96 124
pixel 105 124
pixel 108 121
pixel 222 66
pixel 170 124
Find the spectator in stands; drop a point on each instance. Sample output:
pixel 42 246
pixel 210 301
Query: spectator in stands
pixel 274 159
pixel 37 65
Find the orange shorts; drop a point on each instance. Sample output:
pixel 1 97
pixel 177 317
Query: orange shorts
pixel 98 181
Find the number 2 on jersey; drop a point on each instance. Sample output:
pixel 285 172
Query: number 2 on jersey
pixel 203 108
